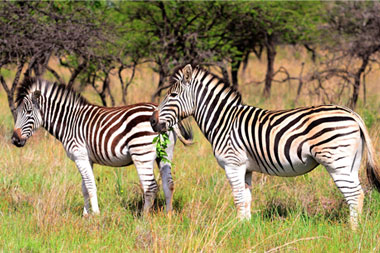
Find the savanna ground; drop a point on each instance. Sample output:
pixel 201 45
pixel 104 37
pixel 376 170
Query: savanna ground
pixel 41 201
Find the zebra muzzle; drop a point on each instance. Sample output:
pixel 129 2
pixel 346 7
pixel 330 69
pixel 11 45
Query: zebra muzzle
pixel 154 122
pixel 17 138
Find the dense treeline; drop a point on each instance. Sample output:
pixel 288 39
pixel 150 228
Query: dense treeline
pixel 93 39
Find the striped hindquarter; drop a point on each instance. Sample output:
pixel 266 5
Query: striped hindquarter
pixel 293 142
pixel 122 136
pixel 115 135
pixel 112 136
pixel 282 143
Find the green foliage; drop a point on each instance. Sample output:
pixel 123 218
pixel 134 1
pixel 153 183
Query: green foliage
pixel 5 73
pixel 170 33
pixel 291 22
pixel 369 116
pixel 162 141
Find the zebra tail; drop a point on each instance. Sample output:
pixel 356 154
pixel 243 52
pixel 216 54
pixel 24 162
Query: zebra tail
pixel 184 132
pixel 373 171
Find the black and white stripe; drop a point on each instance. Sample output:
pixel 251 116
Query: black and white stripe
pixel 112 136
pixel 282 143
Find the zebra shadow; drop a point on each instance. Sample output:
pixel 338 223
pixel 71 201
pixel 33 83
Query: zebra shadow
pixel 336 212
pixel 135 205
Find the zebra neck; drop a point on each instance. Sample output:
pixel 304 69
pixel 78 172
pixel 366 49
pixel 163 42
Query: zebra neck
pixel 215 113
pixel 60 117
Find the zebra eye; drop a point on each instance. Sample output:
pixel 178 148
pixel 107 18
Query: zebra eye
pixel 173 95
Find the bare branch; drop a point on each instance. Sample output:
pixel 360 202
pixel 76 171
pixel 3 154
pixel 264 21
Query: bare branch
pixel 4 84
pixel 124 87
pixel 159 90
pixel 76 72
pixel 55 74
pixel 10 92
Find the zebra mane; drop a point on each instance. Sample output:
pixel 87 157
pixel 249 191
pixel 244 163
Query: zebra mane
pixel 178 71
pixel 30 84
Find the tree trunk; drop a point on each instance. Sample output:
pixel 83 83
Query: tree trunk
pixel 224 73
pixel 91 78
pixel 357 78
pixel 235 65
pixel 234 77
pixel 11 92
pixel 124 86
pixel 271 55
pixel 364 89
pixel 161 82
pixel 76 72
pixel 106 88
pixel 55 74
pixel 300 84
pixel 109 93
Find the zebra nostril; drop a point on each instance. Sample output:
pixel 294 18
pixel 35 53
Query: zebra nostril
pixel 14 138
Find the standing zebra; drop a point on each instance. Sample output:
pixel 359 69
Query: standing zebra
pixel 282 143
pixel 112 136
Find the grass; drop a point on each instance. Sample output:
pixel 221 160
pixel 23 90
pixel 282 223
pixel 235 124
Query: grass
pixel 41 201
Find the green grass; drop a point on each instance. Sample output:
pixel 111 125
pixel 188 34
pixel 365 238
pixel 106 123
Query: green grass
pixel 41 206
pixel 41 203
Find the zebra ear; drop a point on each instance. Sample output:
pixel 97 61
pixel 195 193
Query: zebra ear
pixel 36 96
pixel 187 72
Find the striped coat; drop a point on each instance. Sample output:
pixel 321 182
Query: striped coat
pixel 112 136
pixel 282 143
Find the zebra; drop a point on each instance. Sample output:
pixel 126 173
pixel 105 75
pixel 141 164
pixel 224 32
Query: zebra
pixel 111 136
pixel 283 143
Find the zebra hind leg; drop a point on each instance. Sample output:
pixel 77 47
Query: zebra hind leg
pixel 353 193
pixel 344 168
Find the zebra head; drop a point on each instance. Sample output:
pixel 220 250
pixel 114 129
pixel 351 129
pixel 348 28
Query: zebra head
pixel 178 103
pixel 28 118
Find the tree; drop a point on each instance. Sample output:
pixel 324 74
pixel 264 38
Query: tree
pixel 173 33
pixel 33 32
pixel 284 23
pixel 239 34
pixel 213 33
pixel 353 37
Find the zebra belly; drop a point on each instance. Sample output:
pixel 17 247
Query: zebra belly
pixel 114 161
pixel 285 170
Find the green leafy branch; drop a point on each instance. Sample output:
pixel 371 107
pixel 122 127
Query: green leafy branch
pixel 162 141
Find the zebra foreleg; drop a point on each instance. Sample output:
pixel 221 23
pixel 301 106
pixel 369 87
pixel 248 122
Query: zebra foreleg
pixel 86 196
pixel 88 186
pixel 166 174
pixel 148 182
pixel 167 185
pixel 236 176
pixel 248 193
